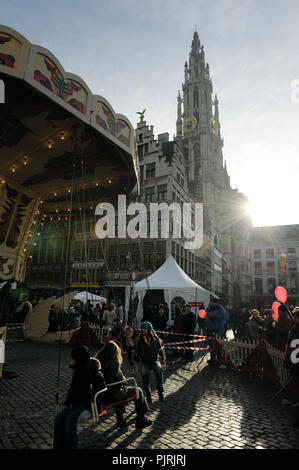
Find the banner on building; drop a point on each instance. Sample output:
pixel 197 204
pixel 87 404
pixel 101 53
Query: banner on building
pixel 282 268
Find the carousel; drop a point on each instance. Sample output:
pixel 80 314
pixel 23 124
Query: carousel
pixel 57 140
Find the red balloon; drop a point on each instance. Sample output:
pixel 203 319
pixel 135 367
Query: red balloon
pixel 275 316
pixel 275 306
pixel 202 314
pixel 281 294
pixel 102 301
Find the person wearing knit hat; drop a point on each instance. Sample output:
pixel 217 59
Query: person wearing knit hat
pixel 151 354
pixel 146 325
pixel 87 371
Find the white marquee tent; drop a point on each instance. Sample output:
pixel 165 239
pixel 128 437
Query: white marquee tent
pixel 174 282
pixel 84 296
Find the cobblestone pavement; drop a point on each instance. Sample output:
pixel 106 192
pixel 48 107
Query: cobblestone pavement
pixel 209 408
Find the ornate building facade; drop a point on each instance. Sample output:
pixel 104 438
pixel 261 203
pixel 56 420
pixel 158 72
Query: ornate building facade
pixel 190 168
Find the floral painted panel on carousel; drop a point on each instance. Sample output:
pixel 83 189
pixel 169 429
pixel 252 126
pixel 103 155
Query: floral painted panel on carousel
pixel 116 127
pixel 70 91
pixel 16 216
pixel 9 50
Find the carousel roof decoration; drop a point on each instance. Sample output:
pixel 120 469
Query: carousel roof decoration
pixel 56 139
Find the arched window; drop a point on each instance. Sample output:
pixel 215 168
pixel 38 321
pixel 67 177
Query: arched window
pixel 196 99
pixel 186 154
pixel 187 99
pixel 197 152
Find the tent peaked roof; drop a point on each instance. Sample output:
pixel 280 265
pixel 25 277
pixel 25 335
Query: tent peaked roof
pixel 169 276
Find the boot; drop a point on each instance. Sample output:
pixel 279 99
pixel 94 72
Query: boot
pixel 149 398
pixel 121 423
pixel 142 423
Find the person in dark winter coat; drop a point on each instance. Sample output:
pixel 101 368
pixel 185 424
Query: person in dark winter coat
pixel 188 323
pixel 8 305
pixel 291 356
pixel 161 317
pixel 268 329
pixel 148 349
pixel 255 325
pixel 216 318
pixel 111 359
pixel 282 328
pixel 86 373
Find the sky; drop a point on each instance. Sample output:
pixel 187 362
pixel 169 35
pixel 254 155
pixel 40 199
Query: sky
pixel 132 52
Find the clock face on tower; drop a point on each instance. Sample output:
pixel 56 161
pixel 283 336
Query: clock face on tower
pixel 189 124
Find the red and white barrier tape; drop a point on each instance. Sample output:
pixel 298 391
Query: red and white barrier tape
pixel 176 333
pixel 14 326
pixel 181 347
pixel 185 342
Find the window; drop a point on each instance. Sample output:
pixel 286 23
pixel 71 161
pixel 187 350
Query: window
pixel 141 173
pixel 258 286
pixel 270 266
pixel 140 137
pixel 150 170
pixel 269 252
pixel 173 194
pixel 271 285
pixel 146 148
pixel 257 253
pixel 258 267
pixel 291 251
pixel 150 194
pixel 140 151
pixel 292 265
pixel 162 192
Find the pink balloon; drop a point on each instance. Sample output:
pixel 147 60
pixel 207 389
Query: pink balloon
pixel 202 314
pixel 275 316
pixel 281 294
pixel 275 306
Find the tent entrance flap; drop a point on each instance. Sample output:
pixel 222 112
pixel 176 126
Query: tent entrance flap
pixel 153 297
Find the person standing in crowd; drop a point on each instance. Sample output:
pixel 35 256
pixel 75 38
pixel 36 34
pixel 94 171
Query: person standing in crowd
pixel 98 313
pixel 117 332
pixel 149 314
pixel 120 312
pixel 291 358
pixel 282 328
pixel 109 315
pixel 201 322
pixel 255 325
pixel 23 309
pixel 8 307
pixel 161 318
pixel 216 318
pixel 268 329
pixel 111 359
pixel 188 323
pixel 177 319
pixel 86 371
pixel 151 354
pixel 128 343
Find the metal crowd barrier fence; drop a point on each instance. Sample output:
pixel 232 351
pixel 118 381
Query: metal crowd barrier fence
pixel 255 357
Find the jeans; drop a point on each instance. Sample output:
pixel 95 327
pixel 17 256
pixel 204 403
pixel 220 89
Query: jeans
pixel 65 426
pixel 145 374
